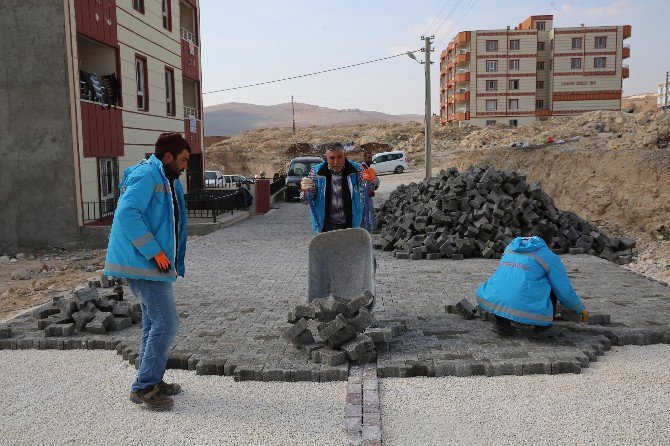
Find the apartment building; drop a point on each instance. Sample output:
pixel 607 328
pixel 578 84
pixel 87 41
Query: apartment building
pixel 532 72
pixel 663 95
pixel 94 83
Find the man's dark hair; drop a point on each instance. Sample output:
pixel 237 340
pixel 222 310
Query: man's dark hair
pixel 172 143
pixel 331 146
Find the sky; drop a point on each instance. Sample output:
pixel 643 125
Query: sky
pixel 253 41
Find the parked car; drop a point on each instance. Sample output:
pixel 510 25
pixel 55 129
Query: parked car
pixel 233 180
pixel 395 161
pixel 298 168
pixel 213 178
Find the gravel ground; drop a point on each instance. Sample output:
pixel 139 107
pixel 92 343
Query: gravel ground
pixel 622 400
pixel 81 397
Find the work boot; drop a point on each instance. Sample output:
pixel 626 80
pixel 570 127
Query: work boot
pixel 168 389
pixel 504 327
pixel 152 398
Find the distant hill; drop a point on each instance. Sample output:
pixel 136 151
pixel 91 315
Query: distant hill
pixel 234 117
pixel 640 102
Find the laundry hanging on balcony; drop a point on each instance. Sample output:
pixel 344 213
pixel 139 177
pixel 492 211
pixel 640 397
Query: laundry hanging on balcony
pixel 103 89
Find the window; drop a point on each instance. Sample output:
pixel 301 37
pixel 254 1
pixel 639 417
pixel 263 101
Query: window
pixel 513 104
pixel 513 122
pixel 600 43
pixel 576 43
pixel 169 91
pixel 551 64
pixel 539 26
pixel 514 64
pixel 599 62
pixel 576 63
pixel 539 104
pixel 540 66
pixel 514 44
pixel 539 85
pixel 540 46
pixel 167 14
pixel 490 122
pixel 514 84
pixel 491 85
pixel 138 5
pixel 491 45
pixel 142 86
pixel 491 65
pixel 492 104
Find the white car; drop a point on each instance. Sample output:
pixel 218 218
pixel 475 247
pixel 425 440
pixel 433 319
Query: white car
pixel 395 161
pixel 213 178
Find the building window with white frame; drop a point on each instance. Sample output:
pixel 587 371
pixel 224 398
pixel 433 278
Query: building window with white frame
pixel 539 85
pixel 138 5
pixel 169 91
pixel 491 85
pixel 576 63
pixel 599 62
pixel 540 65
pixel 490 122
pixel 600 42
pixel 142 85
pixel 576 43
pixel 513 122
pixel 539 104
pixel 491 45
pixel 539 26
pixel 513 104
pixel 514 64
pixel 514 45
pixel 491 104
pixel 491 65
pixel 540 46
pixel 513 84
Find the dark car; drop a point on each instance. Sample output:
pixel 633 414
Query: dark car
pixel 298 168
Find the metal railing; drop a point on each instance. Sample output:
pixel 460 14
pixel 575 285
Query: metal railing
pixel 191 111
pixel 100 212
pixel 277 185
pixel 188 36
pixel 211 204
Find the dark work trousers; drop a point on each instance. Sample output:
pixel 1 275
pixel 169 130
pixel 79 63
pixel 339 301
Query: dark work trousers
pixel 333 226
pixel 504 321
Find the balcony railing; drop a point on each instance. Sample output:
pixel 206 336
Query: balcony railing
pixel 625 72
pixel 626 52
pixel 188 36
pixel 191 111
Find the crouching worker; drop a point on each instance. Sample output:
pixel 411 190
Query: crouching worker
pixel 147 246
pixel 524 288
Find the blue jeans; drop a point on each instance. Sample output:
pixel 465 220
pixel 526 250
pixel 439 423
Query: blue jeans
pixel 160 323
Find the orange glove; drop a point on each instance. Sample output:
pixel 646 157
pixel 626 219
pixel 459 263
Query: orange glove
pixel 584 318
pixel 162 262
pixel 369 174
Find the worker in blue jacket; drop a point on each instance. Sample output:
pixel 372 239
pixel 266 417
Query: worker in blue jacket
pixel 147 246
pixel 524 288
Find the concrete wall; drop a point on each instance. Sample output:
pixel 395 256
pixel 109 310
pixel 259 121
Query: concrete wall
pixel 37 186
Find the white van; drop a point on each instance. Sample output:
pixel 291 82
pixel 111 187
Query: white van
pixel 213 178
pixel 395 161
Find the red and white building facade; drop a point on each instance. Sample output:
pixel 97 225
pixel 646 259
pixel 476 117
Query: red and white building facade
pixel 152 47
pixel 531 72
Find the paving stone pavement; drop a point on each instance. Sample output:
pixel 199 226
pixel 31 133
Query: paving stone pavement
pixel 242 281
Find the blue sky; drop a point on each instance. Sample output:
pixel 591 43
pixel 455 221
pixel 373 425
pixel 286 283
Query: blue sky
pixel 256 41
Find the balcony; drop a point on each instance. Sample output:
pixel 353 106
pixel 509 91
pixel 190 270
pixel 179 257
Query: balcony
pixel 463 97
pixel 463 77
pixel 543 112
pixel 192 132
pixel 96 19
pixel 625 71
pixel 625 53
pixel 627 31
pixel 462 116
pixel 462 37
pixel 102 129
pixel 189 55
pixel 192 118
pixel 462 58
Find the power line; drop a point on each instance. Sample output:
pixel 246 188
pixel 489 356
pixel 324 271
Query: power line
pixel 446 34
pixel 311 74
pixel 448 15
pixel 425 33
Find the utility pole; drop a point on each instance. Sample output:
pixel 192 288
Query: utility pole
pixel 293 109
pixel 428 110
pixel 665 100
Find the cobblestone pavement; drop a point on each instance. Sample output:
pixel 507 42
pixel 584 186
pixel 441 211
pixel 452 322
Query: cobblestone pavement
pixel 242 280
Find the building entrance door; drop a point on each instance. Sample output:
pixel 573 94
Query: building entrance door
pixel 194 173
pixel 108 173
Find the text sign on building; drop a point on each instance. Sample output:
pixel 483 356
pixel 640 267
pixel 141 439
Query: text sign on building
pixel 579 83
pixel 193 125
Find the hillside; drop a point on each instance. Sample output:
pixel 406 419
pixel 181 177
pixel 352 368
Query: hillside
pixel 612 168
pixel 233 118
pixel 640 102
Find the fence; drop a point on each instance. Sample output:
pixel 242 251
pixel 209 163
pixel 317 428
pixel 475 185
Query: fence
pixel 277 185
pixel 99 212
pixel 210 204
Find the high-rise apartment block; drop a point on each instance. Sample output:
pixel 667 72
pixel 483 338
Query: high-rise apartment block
pixel 532 72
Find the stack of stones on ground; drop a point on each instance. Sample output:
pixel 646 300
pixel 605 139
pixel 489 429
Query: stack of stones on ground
pixel 478 212
pixel 97 308
pixel 335 330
